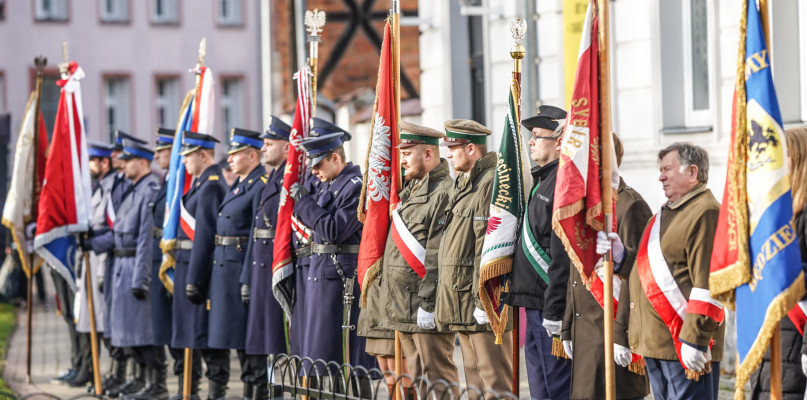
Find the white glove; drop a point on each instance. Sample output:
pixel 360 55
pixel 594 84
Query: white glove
pixel 552 327
pixel 425 319
pixel 804 364
pixel 605 243
pixel 568 348
pixel 622 355
pixel 481 316
pixel 693 358
pixel 30 230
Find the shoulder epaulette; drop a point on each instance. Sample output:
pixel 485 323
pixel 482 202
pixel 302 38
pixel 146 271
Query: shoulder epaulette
pixel 213 178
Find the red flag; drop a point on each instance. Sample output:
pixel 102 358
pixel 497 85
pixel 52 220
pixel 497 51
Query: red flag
pixel 382 172
pixel 577 210
pixel 295 168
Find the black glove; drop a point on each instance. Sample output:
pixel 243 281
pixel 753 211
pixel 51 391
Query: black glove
pixel 297 192
pixel 245 295
pixel 84 242
pixel 139 294
pixel 194 294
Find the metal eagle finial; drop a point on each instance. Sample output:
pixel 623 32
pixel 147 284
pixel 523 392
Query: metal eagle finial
pixel 518 28
pixel 202 51
pixel 314 21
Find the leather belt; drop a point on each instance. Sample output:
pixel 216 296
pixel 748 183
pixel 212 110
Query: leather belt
pixel 231 240
pixel 125 252
pixel 268 233
pixel 157 232
pixel 303 251
pixel 317 248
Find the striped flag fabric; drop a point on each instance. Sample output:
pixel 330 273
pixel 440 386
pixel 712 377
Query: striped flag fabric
pixel 197 115
pixel 64 204
pixel 287 224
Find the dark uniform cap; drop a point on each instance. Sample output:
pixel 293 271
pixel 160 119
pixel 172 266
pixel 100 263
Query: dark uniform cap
pixel 99 149
pixel 121 135
pixel 133 149
pixel 240 139
pixel 412 135
pixel 165 139
pixel 192 141
pixel 463 131
pixel 224 164
pixel 321 127
pixel 278 129
pixel 546 117
pixel 319 147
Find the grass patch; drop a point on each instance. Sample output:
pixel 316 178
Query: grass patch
pixel 8 320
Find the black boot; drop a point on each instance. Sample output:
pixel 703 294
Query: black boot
pixel 248 389
pixel 83 377
pixel 156 389
pixel 216 390
pixel 135 385
pixel 261 392
pixel 116 376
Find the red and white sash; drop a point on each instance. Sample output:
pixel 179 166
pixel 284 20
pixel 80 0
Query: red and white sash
pixel 186 220
pixel 412 251
pixel 662 290
pixel 798 316
pixel 110 213
pixel 302 232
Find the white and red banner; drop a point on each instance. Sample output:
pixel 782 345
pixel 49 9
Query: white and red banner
pixel 64 204
pixel 382 175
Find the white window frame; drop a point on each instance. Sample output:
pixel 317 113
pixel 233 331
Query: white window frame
pixel 232 102
pixel 56 11
pixel 694 117
pixel 119 102
pixel 168 102
pixel 170 13
pixel 235 12
pixel 118 13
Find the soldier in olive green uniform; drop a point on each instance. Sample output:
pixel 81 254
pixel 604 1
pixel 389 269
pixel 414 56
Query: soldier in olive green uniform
pixel 458 307
pixel 410 258
pixel 582 331
pixel 685 235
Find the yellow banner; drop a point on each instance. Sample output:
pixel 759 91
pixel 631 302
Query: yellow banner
pixel 574 14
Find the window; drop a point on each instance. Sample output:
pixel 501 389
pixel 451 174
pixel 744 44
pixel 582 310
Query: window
pixel 117 110
pixel 697 62
pixel 232 104
pixel 115 10
pixel 51 10
pixel 165 12
pixel 167 102
pixel 50 99
pixel 230 12
pixel 2 10
pixel 2 93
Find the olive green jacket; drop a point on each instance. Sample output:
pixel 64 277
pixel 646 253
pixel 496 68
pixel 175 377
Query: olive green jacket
pixel 422 209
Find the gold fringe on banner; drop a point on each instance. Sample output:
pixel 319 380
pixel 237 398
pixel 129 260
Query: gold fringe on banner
pixel 557 348
pixel 637 367
pixel 495 269
pixel 557 216
pixel 369 277
pixel 167 247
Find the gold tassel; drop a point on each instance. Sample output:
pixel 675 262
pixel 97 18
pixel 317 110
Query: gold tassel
pixel 498 338
pixel 557 348
pixel 637 367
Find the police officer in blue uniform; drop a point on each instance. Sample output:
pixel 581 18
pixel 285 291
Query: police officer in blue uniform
pixel 104 242
pixel 130 313
pixel 265 328
pixel 331 214
pixel 228 315
pixel 194 250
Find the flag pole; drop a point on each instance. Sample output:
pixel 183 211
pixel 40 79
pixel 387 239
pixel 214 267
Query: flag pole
pixel 396 68
pixel 775 346
pixel 314 21
pixel 40 63
pixel 607 199
pixel 96 367
pixel 518 28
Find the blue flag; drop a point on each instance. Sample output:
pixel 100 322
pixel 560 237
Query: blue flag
pixel 776 280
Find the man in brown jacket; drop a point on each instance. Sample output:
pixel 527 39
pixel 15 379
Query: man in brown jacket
pixel 458 307
pixel 410 259
pixel 669 283
pixel 583 324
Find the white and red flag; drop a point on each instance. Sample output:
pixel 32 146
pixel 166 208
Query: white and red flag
pixel 64 204
pixel 382 180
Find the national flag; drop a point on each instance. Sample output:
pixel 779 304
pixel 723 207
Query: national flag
pixel 21 207
pixel 766 278
pixel 382 176
pixel 507 204
pixel 64 204
pixel 282 267
pixel 577 212
pixel 197 115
